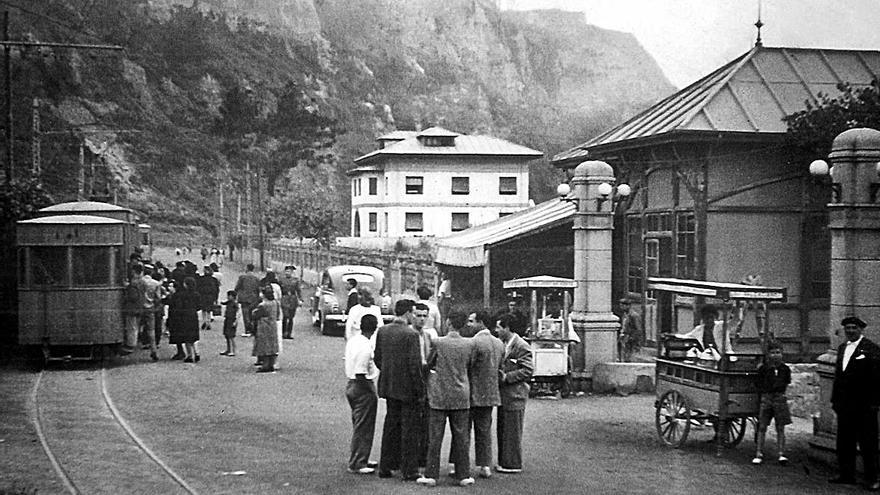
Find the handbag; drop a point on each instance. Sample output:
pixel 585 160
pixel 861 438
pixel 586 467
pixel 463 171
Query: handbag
pixel 215 310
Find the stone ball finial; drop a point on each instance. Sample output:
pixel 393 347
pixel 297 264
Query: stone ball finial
pixel 594 168
pixel 861 138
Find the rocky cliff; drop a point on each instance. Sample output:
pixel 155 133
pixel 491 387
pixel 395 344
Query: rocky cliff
pixel 544 79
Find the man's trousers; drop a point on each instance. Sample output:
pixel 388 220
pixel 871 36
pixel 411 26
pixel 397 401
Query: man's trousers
pixel 362 398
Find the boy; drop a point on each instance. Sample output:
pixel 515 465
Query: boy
pixel 230 322
pixel 773 378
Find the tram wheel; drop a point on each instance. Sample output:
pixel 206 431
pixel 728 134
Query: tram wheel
pixel 673 418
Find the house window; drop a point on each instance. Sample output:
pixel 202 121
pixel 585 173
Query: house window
pixel 461 185
pixel 374 186
pixel 373 219
pixel 386 223
pixel 635 264
pixel 818 239
pixel 684 251
pixel 415 185
pixel 413 222
pixel 354 187
pixel 460 221
pixel 502 214
pixel 507 185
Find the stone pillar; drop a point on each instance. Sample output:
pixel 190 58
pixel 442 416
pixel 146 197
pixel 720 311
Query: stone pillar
pixel 591 313
pixel 854 222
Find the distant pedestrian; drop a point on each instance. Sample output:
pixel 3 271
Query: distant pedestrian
pixel 248 289
pixel 209 290
pixel 449 396
pixel 183 319
pixel 855 398
pixel 401 384
pixel 204 253
pixel 231 315
pixel 365 306
pixel 266 339
pixel 773 378
pixel 291 299
pixel 434 321
pixel 361 370
pixel 630 340
pixel 517 367
pixel 353 297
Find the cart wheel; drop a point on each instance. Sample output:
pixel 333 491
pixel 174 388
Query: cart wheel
pixel 673 418
pixel 735 431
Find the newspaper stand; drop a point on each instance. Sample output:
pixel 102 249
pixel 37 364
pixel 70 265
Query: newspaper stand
pixel 548 334
pixel 692 392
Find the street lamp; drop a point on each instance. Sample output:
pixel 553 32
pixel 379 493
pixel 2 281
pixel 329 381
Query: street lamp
pixel 604 191
pixel 822 172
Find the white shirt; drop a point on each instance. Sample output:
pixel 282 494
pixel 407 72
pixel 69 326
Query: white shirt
pixel 849 350
pixel 359 358
pixel 353 322
pixel 427 337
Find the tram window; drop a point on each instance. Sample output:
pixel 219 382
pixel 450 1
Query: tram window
pixel 91 265
pixel 48 265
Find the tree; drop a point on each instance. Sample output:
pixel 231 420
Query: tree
pixel 813 130
pixel 305 208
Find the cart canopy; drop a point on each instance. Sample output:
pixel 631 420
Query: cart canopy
pixel 719 290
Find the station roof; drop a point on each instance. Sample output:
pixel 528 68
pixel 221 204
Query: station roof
pixel 463 145
pixel 749 95
pixel 466 248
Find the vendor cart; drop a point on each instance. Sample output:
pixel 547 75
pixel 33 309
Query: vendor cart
pixel 698 393
pixel 549 333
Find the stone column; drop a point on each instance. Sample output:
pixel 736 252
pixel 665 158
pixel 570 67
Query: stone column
pixel 854 222
pixel 591 313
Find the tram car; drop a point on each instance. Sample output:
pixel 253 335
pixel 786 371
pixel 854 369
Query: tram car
pixel 73 261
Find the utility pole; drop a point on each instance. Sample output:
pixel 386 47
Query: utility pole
pixel 35 138
pixel 249 217
pixel 221 215
pixel 7 67
pixel 260 214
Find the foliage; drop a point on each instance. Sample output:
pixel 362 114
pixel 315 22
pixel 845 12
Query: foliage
pixel 21 199
pixel 306 207
pixel 814 129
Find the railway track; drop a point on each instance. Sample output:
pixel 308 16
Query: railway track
pixel 91 447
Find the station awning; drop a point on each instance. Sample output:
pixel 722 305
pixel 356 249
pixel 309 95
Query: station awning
pixel 467 248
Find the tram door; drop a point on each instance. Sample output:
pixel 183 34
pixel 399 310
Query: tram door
pixel 658 305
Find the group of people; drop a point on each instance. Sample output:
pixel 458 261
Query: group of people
pixel 477 366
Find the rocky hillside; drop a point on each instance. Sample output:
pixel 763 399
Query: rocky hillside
pixel 148 115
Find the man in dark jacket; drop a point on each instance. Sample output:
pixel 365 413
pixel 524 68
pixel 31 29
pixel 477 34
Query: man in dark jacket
pixel 248 289
pixel 516 370
pixel 855 399
pixel 399 359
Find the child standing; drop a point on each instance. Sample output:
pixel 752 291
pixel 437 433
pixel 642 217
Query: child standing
pixel 773 379
pixel 230 322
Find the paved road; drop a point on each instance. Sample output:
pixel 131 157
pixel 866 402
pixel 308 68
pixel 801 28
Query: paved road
pixel 226 429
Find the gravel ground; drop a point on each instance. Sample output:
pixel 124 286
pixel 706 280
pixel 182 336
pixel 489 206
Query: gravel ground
pixel 226 429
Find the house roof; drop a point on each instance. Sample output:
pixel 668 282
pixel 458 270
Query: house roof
pixel 466 248
pixel 750 95
pixel 464 145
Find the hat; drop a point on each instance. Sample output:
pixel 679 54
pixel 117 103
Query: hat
pixel 290 267
pixel 853 320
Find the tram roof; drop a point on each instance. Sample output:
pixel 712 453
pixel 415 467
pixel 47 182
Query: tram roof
pixel 71 219
pixel 83 206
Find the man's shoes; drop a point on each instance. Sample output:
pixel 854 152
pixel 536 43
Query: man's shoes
pixel 840 480
pixel 198 358
pixel 363 470
pixel 782 460
pixel 873 487
pixel 426 481
pixel 224 353
pixel 231 354
pixel 188 360
pixel 372 464
pixel 178 357
pixel 466 482
pixel 265 370
pixel 411 477
pixel 385 474
pixel 484 472
pixel 505 470
pixel 757 460
pixel 154 357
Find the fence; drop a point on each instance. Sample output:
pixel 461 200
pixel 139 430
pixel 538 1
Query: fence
pixel 403 271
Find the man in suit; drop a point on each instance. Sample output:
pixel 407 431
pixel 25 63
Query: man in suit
pixel 248 289
pixel 516 370
pixel 485 395
pixel 855 399
pixel 399 359
pixel 449 397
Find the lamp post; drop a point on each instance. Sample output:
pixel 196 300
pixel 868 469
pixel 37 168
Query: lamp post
pixel 854 223
pixel 591 315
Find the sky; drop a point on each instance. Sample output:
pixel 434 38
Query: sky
pixel 691 38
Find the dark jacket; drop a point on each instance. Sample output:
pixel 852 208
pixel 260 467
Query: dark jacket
pixel 856 387
pixel 399 358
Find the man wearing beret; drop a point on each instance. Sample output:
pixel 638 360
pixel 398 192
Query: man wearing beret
pixel 855 399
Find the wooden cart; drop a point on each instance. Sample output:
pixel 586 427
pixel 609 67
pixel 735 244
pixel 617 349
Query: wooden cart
pixel 549 333
pixel 697 394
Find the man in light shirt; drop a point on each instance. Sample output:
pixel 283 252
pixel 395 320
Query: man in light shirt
pixel 366 306
pixel 432 322
pixel 427 338
pixel 710 333
pixel 361 394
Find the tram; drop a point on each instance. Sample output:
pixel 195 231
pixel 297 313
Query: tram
pixel 72 270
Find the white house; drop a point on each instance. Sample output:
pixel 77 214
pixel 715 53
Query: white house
pixel 435 182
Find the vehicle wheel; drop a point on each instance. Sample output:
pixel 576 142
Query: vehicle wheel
pixel 735 430
pixel 673 418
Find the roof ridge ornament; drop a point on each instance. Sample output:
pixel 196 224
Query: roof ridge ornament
pixel 759 25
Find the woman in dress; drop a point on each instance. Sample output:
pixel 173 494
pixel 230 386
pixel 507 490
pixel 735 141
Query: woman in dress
pixel 183 319
pixel 266 341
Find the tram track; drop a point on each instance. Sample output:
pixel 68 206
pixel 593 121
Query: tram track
pixel 90 445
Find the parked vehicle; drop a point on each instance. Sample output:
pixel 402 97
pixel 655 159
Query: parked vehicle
pixel 328 304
